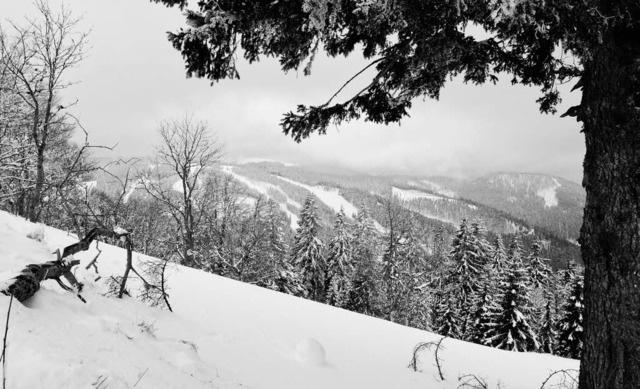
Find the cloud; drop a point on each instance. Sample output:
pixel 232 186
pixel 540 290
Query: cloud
pixel 133 79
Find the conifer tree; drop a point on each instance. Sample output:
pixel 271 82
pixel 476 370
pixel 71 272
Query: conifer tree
pixel 498 259
pixel 364 296
pixel 284 278
pixel 484 248
pixel 306 253
pixel 466 255
pixel 483 318
pixel 515 252
pixel 547 335
pixel 539 270
pixel 571 335
pixel 394 268
pixel 446 319
pixel 439 249
pixel 465 279
pixel 339 263
pixel 512 330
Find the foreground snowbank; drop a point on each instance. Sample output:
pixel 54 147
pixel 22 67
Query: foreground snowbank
pixel 223 334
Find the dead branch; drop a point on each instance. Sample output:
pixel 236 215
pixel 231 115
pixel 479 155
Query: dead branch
pixel 472 381
pixel 428 345
pixel 27 283
pixel 565 375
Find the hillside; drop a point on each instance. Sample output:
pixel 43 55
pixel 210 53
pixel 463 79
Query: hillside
pixel 223 334
pixel 537 206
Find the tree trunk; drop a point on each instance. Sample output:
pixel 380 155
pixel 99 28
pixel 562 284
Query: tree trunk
pixel 610 235
pixel 36 195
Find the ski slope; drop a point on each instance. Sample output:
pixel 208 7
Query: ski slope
pixel 330 196
pixel 549 194
pixel 263 188
pixel 222 334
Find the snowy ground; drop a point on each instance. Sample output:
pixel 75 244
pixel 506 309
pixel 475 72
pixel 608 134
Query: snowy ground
pixel 223 334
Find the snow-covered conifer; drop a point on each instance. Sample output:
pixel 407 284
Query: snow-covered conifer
pixel 306 253
pixel 446 320
pixel 466 255
pixel 539 270
pixel 283 276
pixel 339 263
pixel 547 335
pixel 515 252
pixel 498 259
pixel 512 330
pixel 483 318
pixel 571 332
pixel 364 296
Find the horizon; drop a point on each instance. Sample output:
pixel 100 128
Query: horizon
pixel 335 169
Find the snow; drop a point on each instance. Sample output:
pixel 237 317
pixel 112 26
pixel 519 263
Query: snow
pixel 439 189
pixel 411 194
pixel 548 194
pixel 407 195
pixel 263 188
pixel 120 231
pixel 87 186
pixel 330 196
pixel 177 186
pixel 222 334
pixel 311 352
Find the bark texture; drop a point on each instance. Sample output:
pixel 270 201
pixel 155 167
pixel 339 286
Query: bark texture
pixel 610 236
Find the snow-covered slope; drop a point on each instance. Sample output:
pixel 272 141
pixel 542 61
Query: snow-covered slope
pixel 223 334
pixel 330 196
pixel 263 188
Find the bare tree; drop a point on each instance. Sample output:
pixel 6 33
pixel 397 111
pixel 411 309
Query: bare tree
pixel 187 151
pixel 37 55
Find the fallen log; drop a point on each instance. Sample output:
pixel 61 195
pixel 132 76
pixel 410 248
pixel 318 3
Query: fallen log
pixel 27 282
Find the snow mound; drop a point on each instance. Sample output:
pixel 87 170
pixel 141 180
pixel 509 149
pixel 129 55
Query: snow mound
pixel 311 352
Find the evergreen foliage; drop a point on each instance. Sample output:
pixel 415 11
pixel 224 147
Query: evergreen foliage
pixel 548 335
pixel 364 296
pixel 306 253
pixel 446 319
pixel 539 270
pixel 571 333
pixel 483 318
pixel 339 263
pixel 512 330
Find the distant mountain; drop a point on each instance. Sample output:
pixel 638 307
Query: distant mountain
pixel 536 205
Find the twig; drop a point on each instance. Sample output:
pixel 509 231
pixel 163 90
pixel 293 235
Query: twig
pixel 472 381
pixel 427 345
pixel 565 373
pixel 94 262
pixel 4 346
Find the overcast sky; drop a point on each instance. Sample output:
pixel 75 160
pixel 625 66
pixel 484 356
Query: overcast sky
pixel 133 78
